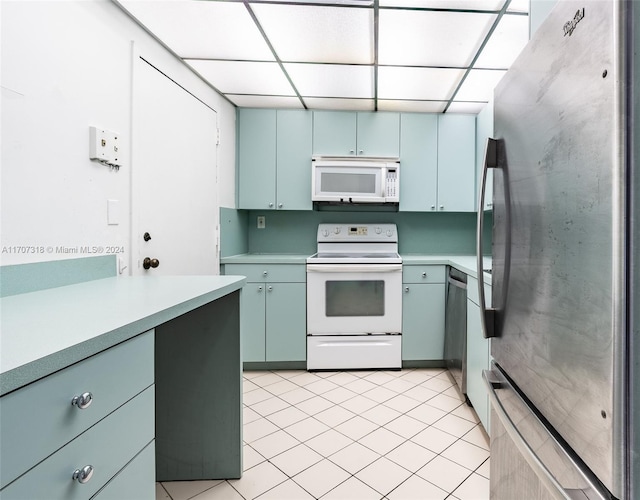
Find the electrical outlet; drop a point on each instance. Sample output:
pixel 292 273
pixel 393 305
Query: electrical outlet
pixel 261 221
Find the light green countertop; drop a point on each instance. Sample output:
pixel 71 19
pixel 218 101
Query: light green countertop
pixel 265 258
pixel 45 331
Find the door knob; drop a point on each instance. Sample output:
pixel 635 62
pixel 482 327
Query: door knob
pixel 147 263
pixel 146 236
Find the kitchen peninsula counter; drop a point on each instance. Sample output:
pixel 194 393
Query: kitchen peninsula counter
pixel 162 353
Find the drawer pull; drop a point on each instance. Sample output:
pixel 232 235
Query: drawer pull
pixel 83 401
pixel 83 475
pixel 424 275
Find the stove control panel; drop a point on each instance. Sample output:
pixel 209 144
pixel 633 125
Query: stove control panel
pixel 357 232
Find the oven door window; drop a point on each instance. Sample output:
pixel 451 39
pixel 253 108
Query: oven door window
pixel 354 298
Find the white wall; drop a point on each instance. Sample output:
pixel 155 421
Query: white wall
pixel 67 65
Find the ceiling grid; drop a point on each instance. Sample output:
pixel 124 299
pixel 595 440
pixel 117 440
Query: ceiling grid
pixel 388 55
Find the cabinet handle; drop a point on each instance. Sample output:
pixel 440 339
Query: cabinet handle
pixel 83 401
pixel 441 207
pixel 264 273
pixel 352 151
pixel 406 289
pixel 259 288
pixel 280 205
pixel 83 475
pixel 424 275
pixel 361 152
pixel 270 204
pixel 433 207
pixel 270 288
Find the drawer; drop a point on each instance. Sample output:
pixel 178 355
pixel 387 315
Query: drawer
pixel 39 419
pixel 107 447
pixel 423 274
pixel 137 480
pixel 472 291
pixel 292 273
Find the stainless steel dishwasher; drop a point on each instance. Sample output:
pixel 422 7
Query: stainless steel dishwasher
pixel 455 340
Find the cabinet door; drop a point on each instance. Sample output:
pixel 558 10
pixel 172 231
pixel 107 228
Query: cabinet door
pixel 419 162
pixel 257 159
pixel 286 322
pixel 294 139
pixel 477 361
pixel 252 322
pixel 334 133
pixel 378 134
pixel 484 130
pixel 423 321
pixel 456 163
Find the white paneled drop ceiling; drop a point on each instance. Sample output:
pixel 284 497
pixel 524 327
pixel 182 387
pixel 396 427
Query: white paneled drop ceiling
pixel 401 55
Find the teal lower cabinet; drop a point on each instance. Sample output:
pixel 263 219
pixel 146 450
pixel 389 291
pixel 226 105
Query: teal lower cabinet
pixel 423 308
pixel 477 354
pixel 273 312
pixel 52 448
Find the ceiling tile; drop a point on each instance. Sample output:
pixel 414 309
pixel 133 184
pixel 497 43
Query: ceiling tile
pixel 446 4
pixel 421 38
pixel 417 83
pixel 412 106
pixel 518 6
pixel 305 33
pixel 340 104
pixel 331 80
pixel 242 77
pixel 466 107
pixel 262 101
pixel 209 29
pixel 479 85
pixel 506 42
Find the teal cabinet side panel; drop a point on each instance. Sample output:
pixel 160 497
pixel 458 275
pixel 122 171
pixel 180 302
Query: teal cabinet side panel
pixel 252 322
pixel 477 361
pixel 25 278
pixel 418 162
pixel 423 321
pixel 378 134
pixel 294 144
pixel 234 228
pixel 334 133
pixel 456 163
pixel 286 322
pixel 257 159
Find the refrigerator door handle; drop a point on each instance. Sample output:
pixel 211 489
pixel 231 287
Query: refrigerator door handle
pixel 494 381
pixel 486 314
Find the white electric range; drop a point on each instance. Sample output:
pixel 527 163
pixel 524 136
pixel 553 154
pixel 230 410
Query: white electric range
pixel 354 298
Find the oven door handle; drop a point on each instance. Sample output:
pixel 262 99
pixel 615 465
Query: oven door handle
pixel 354 268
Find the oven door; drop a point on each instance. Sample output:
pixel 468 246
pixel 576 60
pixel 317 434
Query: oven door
pixel 354 299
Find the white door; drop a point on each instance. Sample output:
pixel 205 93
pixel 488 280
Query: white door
pixel 174 205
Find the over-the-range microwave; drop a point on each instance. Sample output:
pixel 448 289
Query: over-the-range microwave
pixel 355 180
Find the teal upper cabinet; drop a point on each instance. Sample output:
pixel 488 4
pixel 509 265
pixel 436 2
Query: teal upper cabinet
pixel 419 162
pixel 274 159
pixel 347 133
pixel 484 130
pixel 257 159
pixel 456 163
pixel 293 165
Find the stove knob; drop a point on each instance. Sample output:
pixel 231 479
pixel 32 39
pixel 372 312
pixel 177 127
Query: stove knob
pixel 389 233
pixel 378 230
pixel 325 232
pixel 337 230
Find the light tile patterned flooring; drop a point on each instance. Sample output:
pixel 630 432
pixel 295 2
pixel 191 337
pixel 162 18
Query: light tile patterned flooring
pixel 357 435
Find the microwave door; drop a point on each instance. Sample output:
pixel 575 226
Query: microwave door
pixel 355 185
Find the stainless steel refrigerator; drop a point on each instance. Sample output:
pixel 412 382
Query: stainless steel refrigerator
pixel 566 249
